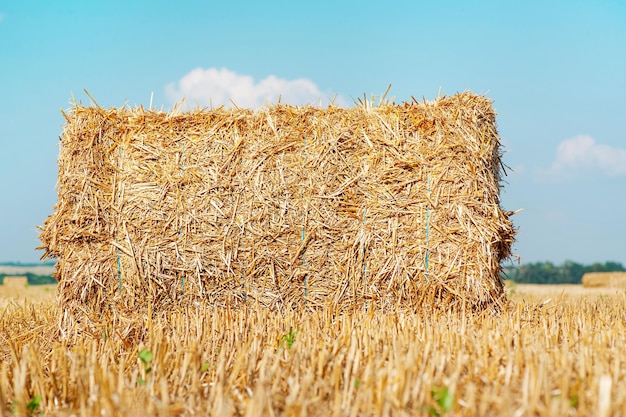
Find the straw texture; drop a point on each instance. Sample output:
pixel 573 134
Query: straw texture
pixel 284 206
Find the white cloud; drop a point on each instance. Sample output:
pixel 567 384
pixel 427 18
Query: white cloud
pixel 581 155
pixel 215 87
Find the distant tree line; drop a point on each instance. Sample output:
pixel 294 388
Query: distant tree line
pixel 46 263
pixel 33 279
pixel 547 273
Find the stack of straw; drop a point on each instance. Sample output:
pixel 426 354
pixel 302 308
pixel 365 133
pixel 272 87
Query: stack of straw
pixel 604 280
pixel 284 206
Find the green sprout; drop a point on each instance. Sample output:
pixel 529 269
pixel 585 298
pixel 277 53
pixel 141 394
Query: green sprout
pixel 145 356
pixel 444 400
pixel 33 405
pixel 290 338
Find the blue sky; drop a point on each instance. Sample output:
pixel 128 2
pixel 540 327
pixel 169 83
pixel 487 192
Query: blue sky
pixel 555 70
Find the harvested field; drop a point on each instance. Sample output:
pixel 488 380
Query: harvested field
pixel 534 291
pixel 556 358
pixel 293 262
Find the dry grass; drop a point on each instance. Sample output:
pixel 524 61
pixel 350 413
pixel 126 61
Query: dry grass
pixel 548 358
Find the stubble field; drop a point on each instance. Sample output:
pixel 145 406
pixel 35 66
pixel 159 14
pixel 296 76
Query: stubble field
pixel 554 351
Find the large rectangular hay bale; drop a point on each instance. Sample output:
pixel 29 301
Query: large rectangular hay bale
pixel 17 281
pixel 280 206
pixel 604 280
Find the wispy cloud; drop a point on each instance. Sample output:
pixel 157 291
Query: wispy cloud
pixel 582 155
pixel 213 86
pixel 2 16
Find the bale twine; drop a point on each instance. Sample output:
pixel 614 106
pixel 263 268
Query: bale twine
pixel 283 206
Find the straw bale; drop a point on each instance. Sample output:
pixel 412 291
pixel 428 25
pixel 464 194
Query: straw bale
pixel 283 206
pixel 15 281
pixel 604 279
